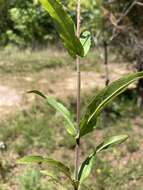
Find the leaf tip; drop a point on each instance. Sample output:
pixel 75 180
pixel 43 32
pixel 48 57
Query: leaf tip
pixel 37 93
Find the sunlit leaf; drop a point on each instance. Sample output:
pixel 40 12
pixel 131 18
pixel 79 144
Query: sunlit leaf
pixel 62 110
pixel 41 160
pixel 65 26
pixel 50 162
pixel 30 159
pixel 86 168
pixel 85 40
pixel 115 140
pixel 87 165
pixel 89 119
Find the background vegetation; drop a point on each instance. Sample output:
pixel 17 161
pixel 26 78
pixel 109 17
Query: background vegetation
pixel 31 57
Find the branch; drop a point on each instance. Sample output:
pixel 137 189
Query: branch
pixel 139 3
pixel 124 14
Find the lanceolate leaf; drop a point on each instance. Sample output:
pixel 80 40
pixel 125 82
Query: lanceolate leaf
pixel 31 159
pixel 65 26
pixel 41 160
pixel 85 168
pixel 85 40
pixel 115 140
pixel 88 121
pixel 63 111
pixel 87 165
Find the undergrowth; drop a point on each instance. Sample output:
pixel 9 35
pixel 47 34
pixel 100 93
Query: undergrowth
pixel 39 127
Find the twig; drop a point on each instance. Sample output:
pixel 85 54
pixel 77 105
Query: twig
pixel 124 14
pixel 139 3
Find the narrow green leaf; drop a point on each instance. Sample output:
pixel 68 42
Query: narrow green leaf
pixel 115 140
pixel 41 160
pixel 85 168
pixel 85 40
pixel 62 110
pixel 87 165
pixel 65 26
pixel 30 159
pixel 89 120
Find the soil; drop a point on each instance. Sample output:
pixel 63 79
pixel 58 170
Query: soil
pixel 60 83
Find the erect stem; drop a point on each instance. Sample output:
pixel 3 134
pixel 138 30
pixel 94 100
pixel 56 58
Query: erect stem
pixel 106 63
pixel 77 150
pixel 78 19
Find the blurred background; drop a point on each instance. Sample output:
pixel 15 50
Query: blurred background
pixel 32 57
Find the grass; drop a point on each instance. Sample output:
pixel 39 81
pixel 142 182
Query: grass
pixel 37 129
pixel 30 179
pixel 26 61
pixel 14 61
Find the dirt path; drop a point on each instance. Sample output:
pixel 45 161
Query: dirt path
pixel 60 83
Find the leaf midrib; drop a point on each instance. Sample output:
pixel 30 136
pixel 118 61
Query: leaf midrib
pixel 103 102
pixel 63 24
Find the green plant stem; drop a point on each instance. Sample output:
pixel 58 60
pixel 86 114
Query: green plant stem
pixel 77 150
pixel 106 63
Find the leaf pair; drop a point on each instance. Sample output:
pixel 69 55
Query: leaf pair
pixel 50 162
pixel 87 165
pixel 66 29
pixel 94 108
pixel 85 168
pixel 41 160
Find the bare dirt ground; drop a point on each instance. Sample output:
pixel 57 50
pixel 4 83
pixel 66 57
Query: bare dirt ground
pixel 60 83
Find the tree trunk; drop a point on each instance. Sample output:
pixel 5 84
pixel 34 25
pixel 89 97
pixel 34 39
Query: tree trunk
pixel 140 83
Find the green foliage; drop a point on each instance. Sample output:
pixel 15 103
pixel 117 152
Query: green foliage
pixel 85 40
pixel 63 111
pixel 53 163
pixel 25 25
pixel 108 169
pixel 34 27
pixel 85 168
pixel 89 120
pixel 48 161
pixel 30 29
pixel 111 142
pixel 103 97
pixel 87 165
pixel 65 27
pixel 76 47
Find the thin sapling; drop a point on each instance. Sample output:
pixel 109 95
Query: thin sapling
pixel 78 45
